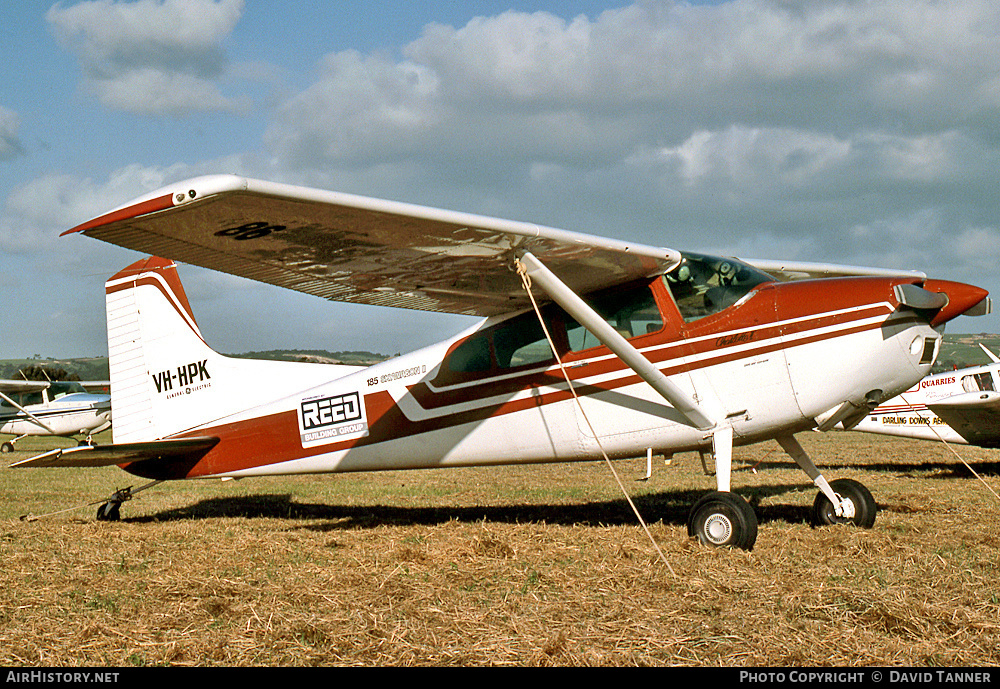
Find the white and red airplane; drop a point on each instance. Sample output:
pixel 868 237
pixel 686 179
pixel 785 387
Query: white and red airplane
pixel 52 408
pixel 960 406
pixel 642 347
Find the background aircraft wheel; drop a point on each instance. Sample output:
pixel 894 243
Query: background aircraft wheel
pixel 723 519
pixel 7 447
pixel 109 512
pixel 848 489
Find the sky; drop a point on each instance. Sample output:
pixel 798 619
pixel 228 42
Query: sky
pixel 863 133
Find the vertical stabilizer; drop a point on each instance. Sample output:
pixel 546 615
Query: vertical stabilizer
pixel 165 379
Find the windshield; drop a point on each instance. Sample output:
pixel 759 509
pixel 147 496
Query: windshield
pixel 702 285
pixel 61 388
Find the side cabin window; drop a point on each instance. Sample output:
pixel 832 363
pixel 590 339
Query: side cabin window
pixel 977 382
pixel 703 285
pixel 23 399
pixel 520 343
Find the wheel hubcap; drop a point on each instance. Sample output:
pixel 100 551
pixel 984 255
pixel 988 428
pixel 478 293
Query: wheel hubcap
pixel 718 528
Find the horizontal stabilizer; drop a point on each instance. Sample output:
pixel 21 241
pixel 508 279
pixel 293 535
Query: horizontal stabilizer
pixel 172 450
pixel 973 415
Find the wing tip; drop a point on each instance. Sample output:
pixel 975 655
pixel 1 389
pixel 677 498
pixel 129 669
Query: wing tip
pixel 164 198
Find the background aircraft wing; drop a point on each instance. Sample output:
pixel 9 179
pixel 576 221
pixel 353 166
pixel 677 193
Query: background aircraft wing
pixel 16 386
pixel 974 415
pixel 369 251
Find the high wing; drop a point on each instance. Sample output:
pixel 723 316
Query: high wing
pixel 362 250
pixel 803 270
pixel 973 415
pixel 21 386
pixel 371 251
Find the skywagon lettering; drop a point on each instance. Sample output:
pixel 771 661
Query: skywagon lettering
pixel 332 418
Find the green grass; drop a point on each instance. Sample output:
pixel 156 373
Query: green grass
pixel 531 565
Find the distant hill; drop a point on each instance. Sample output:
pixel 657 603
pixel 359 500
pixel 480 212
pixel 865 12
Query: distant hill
pixel 316 356
pixel 958 351
pixel 96 368
pixel 961 351
pixel 88 368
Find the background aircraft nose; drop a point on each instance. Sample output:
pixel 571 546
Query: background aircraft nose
pixel 962 298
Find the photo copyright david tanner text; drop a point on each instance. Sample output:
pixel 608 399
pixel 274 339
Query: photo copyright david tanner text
pixel 865 676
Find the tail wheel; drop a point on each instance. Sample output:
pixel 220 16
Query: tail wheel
pixel 723 519
pixel 109 512
pixel 860 500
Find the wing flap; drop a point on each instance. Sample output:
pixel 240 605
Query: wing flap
pixel 87 456
pixel 973 415
pixel 362 250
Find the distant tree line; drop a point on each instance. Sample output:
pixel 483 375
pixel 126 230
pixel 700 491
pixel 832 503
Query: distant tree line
pixel 34 372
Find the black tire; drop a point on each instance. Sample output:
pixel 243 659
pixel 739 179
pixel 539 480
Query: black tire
pixel 109 512
pixel 7 447
pixel 723 520
pixel 865 508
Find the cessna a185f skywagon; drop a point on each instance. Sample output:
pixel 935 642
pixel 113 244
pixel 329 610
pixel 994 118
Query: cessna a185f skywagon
pixel 589 347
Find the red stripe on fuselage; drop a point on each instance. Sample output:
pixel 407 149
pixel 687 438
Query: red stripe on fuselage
pixel 275 438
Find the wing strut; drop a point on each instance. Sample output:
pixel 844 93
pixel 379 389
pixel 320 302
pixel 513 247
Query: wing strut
pixel 632 357
pixel 697 416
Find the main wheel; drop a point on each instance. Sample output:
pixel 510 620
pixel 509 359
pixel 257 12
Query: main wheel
pixel 723 519
pixel 7 447
pixel 859 498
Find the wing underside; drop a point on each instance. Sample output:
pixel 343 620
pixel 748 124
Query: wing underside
pixel 361 250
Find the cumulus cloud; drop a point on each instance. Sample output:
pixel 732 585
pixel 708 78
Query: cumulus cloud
pixel 151 56
pixel 38 211
pixel 668 121
pixel 10 144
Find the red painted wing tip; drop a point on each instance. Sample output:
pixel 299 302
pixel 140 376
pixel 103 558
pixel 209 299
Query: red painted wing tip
pixel 145 207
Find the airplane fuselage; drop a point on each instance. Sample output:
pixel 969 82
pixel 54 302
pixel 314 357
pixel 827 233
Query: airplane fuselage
pixel 782 359
pixel 72 414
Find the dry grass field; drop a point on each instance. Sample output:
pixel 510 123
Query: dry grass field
pixel 512 566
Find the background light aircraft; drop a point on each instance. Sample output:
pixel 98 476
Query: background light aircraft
pixel 960 406
pixel 589 347
pixel 52 408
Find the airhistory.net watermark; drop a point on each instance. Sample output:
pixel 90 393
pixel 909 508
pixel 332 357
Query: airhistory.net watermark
pixel 60 677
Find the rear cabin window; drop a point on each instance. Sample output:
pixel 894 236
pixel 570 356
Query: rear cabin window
pixel 520 342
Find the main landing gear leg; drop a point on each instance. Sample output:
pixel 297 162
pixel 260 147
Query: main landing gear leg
pixel 110 511
pixel 723 518
pixel 9 445
pixel 843 501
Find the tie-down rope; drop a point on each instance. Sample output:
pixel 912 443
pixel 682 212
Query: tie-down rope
pixel 526 281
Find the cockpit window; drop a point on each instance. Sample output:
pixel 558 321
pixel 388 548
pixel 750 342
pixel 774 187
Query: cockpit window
pixel 977 382
pixel 62 388
pixel 702 285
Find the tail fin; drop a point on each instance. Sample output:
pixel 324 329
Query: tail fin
pixel 165 379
